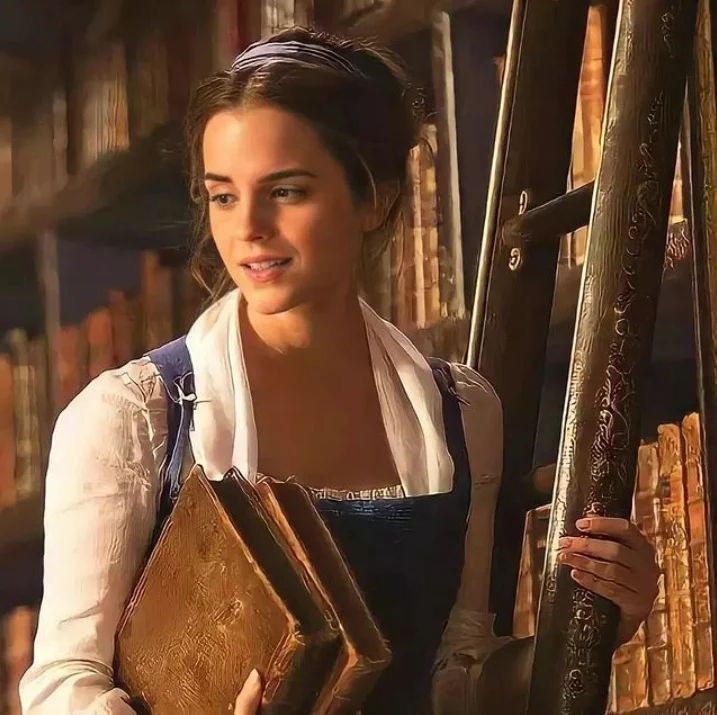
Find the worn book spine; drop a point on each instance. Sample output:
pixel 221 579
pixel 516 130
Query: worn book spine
pixel 429 211
pixel 101 353
pixel 70 354
pixel 148 78
pixel 28 455
pixel 38 352
pixel 364 653
pixel 126 326
pixel 699 558
pixel 19 632
pixel 418 229
pixel 630 674
pixel 657 636
pixel 157 301
pixel 677 561
pixel 101 109
pixel 7 434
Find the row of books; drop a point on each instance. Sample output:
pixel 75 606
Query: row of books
pixel 133 78
pixel 412 281
pixel 670 657
pixel 40 375
pixel 17 633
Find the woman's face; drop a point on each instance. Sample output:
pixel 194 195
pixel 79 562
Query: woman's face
pixel 280 210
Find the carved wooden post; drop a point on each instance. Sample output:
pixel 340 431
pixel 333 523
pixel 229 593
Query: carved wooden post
pixel 616 314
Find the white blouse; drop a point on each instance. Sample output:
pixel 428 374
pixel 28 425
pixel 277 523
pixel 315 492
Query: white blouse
pixel 102 494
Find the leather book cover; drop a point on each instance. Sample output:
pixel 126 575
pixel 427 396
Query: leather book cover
pixel 363 654
pixel 218 597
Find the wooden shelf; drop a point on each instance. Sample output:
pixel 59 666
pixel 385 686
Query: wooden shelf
pixel 21 547
pixel 139 191
pixel 395 19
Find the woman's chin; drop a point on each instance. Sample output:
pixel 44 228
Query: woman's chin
pixel 270 302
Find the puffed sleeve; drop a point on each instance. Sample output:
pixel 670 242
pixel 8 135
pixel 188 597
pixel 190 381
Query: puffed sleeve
pixel 468 639
pixel 100 505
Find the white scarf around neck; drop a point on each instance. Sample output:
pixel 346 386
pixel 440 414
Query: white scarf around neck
pixel 224 433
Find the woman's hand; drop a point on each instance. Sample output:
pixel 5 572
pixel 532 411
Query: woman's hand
pixel 620 567
pixel 249 699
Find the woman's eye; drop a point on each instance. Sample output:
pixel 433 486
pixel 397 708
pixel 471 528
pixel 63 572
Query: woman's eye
pixel 287 192
pixel 222 199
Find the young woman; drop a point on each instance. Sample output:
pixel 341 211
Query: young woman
pixel 298 159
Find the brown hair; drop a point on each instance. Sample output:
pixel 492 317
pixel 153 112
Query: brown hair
pixel 368 120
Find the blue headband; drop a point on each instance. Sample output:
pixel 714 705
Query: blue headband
pixel 261 52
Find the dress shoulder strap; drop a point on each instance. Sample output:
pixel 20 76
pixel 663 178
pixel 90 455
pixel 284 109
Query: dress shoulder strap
pixel 175 368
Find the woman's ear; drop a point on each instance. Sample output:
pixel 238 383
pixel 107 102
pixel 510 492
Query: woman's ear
pixel 377 208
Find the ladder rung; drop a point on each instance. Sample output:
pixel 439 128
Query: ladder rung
pixel 562 215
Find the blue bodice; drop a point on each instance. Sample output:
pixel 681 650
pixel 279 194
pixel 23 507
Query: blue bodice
pixel 406 553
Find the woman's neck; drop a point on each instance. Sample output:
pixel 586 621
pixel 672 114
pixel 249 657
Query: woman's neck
pixel 307 336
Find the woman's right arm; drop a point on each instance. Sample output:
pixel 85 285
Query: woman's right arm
pixel 100 506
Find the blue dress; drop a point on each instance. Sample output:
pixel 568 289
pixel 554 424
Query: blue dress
pixel 406 553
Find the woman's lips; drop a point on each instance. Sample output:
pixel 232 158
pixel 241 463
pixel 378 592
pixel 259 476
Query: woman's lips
pixel 262 271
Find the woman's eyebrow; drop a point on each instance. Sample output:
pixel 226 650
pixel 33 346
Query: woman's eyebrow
pixel 287 174
pixel 274 176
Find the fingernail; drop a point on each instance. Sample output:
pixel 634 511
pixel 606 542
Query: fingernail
pixel 583 523
pixel 254 679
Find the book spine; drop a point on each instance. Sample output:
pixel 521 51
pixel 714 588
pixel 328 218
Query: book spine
pixel 419 257
pixel 126 327
pixel 157 303
pixel 18 633
pixel 38 353
pixel 699 558
pixel 429 211
pixel 524 611
pixel 402 264
pixel 677 562
pixel 98 327
pixel 71 360
pixel 657 638
pixel 103 111
pixel 6 182
pixel 28 464
pixel 7 434
pixel 630 672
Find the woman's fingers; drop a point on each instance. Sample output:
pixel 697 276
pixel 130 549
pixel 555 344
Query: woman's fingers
pixel 623 531
pixel 249 699
pixel 605 570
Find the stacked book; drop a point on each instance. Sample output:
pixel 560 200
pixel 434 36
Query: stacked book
pixel 256 581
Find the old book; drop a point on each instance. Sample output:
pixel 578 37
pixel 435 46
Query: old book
pixel 630 674
pixel 402 259
pixel 531 571
pixel 70 352
pixel 100 118
pixel 126 327
pixel 363 654
pixel 38 353
pixel 148 75
pixel 18 633
pixel 699 559
pixel 6 184
pixel 157 301
pixel 101 354
pixel 240 601
pixel 657 627
pixel 28 450
pixel 429 223
pixel 671 489
pixel 7 434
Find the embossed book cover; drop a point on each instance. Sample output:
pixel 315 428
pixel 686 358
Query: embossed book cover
pixel 223 592
pixel 363 653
